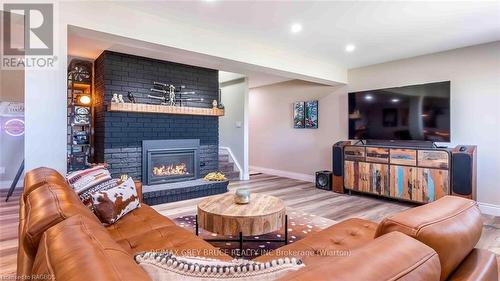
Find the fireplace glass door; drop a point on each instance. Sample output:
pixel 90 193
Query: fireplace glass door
pixel 171 166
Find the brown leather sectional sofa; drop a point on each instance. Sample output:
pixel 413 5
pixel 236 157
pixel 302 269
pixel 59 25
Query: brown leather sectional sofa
pixel 60 238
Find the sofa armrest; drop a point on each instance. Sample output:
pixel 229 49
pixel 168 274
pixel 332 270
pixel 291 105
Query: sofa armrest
pixel 138 187
pixel 393 256
pixel 79 249
pixel 479 265
pixel 451 226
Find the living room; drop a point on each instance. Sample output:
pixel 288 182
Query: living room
pixel 208 140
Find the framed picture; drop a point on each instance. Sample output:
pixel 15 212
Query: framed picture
pixel 311 114
pixel 298 114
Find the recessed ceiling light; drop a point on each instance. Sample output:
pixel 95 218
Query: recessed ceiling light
pixel 395 100
pixel 296 27
pixel 350 47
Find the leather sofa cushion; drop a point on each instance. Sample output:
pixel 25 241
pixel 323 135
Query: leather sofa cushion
pixel 335 240
pixel 81 249
pixel 451 226
pixel 480 264
pixel 48 205
pixel 144 229
pixel 408 260
pixel 40 176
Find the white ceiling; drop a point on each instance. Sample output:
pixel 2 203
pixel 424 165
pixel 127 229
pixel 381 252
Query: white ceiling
pixel 89 44
pixel 381 31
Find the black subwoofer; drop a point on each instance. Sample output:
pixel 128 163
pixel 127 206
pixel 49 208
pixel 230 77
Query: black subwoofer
pixel 324 180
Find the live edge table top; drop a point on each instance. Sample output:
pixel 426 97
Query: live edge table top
pixel 221 215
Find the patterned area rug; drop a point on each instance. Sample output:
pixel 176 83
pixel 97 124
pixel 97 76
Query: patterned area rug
pixel 300 224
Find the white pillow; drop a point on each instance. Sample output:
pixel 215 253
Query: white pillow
pixel 163 266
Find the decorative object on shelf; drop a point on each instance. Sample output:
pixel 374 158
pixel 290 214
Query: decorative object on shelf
pixel 124 177
pixel 214 103
pixel 120 99
pixel 305 114
pixel 81 115
pixel 221 105
pixel 242 195
pixel 80 138
pixel 215 176
pixel 298 114
pixel 81 71
pixel 311 114
pixel 172 95
pixel 84 99
pixel 115 98
pixel 131 97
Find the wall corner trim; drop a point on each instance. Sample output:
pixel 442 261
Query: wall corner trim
pixel 489 209
pixel 286 174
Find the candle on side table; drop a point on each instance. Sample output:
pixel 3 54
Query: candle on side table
pixel 242 196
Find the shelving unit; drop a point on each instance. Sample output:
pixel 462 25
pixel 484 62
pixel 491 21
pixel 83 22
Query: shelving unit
pixel 79 116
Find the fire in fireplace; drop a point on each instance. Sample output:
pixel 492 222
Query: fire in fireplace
pixel 170 161
pixel 170 170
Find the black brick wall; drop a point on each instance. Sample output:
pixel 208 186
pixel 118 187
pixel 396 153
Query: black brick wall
pixel 119 135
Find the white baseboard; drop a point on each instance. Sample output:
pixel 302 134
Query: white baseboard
pixel 286 174
pixel 489 209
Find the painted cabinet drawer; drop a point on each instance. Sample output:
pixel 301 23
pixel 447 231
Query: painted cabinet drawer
pixel 403 156
pixel 433 159
pixel 354 153
pixel 377 154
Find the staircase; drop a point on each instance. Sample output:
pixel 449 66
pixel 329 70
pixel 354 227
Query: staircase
pixel 227 166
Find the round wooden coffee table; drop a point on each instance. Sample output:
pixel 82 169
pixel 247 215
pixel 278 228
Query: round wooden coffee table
pixel 221 215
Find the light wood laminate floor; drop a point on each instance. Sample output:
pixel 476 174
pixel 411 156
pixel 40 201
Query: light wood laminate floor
pixel 296 194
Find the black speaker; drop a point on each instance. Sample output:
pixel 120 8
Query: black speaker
pixel 463 173
pixel 338 166
pixel 324 180
pixel 338 160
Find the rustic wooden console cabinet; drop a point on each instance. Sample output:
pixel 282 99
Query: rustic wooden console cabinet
pixel 412 174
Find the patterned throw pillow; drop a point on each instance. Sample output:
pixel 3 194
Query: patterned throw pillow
pixel 112 204
pixel 166 266
pixel 82 180
pixel 86 196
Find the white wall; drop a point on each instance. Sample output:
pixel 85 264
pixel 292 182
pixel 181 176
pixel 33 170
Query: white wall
pixel 474 73
pixel 233 126
pixel 276 147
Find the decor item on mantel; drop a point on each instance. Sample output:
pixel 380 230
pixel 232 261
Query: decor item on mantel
pixel 172 95
pixel 220 105
pixel 131 97
pixel 164 109
pixel 115 98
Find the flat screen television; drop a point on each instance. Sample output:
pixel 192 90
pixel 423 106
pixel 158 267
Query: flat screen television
pixel 416 112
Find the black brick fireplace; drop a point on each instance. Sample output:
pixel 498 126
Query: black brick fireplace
pixel 119 135
pixel 165 161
